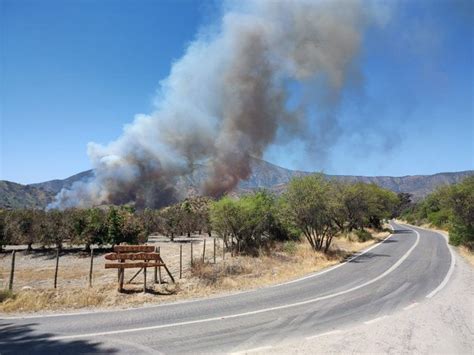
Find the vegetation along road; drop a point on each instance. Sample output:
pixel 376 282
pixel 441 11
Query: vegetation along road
pixel 407 267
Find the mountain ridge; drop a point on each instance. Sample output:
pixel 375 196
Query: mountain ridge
pixel 264 175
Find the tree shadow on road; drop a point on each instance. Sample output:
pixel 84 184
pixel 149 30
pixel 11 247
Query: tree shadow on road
pixel 23 339
pixel 367 257
pixel 402 231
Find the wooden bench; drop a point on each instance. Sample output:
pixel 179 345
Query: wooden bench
pixel 135 256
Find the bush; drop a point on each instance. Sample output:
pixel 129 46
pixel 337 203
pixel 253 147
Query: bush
pixel 289 247
pixel 363 235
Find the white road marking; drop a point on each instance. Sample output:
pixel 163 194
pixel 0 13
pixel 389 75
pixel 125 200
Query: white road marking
pixel 335 266
pixel 451 266
pixel 313 300
pixel 375 320
pixel 254 350
pixel 411 306
pixel 324 334
pixel 357 255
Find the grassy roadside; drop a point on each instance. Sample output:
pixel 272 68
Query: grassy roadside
pixel 285 262
pixel 466 253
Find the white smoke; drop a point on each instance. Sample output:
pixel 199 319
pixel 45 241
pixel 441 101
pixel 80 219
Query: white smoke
pixel 226 100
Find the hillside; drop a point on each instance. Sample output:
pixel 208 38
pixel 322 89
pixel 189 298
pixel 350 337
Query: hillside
pixel 264 175
pixel 13 195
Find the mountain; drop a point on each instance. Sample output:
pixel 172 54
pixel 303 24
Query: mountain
pixel 13 195
pixel 264 175
pixel 54 186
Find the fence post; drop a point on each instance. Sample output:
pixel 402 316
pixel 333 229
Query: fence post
pixel 91 267
pixel 12 271
pixel 156 268
pixel 223 249
pixel 56 269
pixel 159 267
pixel 214 250
pixel 144 278
pixel 204 251
pixel 191 253
pixel 180 260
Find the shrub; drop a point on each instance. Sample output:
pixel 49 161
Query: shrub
pixel 289 247
pixel 363 235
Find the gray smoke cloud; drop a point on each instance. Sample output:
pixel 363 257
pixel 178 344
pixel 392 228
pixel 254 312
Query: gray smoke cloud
pixel 226 100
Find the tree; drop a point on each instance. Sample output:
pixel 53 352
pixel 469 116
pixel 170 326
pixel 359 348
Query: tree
pixel 3 229
pixel 89 227
pixel 123 227
pixel 188 217
pixel 56 227
pixel 404 202
pixel 252 221
pixel 311 209
pixel 171 221
pixel 21 227
pixel 460 200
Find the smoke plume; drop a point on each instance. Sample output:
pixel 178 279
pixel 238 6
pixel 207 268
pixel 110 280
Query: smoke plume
pixel 228 98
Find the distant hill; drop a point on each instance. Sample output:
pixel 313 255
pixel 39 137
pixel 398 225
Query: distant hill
pixel 264 175
pixel 13 195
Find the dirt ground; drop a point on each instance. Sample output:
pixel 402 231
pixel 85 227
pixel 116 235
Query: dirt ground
pixel 34 274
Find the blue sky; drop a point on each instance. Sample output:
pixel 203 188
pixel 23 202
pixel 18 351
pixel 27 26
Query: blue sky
pixel 72 72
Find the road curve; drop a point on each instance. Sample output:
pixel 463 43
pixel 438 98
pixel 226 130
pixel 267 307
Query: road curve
pixel 408 266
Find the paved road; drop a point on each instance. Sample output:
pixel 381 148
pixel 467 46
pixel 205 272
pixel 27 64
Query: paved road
pixel 404 269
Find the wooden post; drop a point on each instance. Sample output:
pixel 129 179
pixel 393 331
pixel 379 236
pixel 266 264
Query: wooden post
pixel 169 273
pixel 180 260
pixel 56 269
pixel 91 267
pixel 134 276
pixel 12 271
pixel 144 278
pixel 223 249
pixel 191 254
pixel 156 270
pixel 204 251
pixel 214 250
pixel 121 277
pixel 159 268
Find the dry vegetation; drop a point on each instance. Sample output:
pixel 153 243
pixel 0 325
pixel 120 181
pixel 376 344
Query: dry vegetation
pixel 34 275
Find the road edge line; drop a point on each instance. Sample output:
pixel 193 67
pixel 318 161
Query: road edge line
pixel 448 275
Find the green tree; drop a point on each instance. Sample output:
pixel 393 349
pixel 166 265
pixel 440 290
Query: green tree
pixel 22 227
pixel 460 200
pixel 89 227
pixel 311 208
pixel 251 221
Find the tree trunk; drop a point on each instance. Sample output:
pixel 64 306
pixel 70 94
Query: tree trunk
pixel 30 248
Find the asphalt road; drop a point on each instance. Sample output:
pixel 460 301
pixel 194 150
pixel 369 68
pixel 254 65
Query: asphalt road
pixel 406 268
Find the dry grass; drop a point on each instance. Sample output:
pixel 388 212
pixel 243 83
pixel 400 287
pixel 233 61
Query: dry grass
pixel 287 261
pixel 467 254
